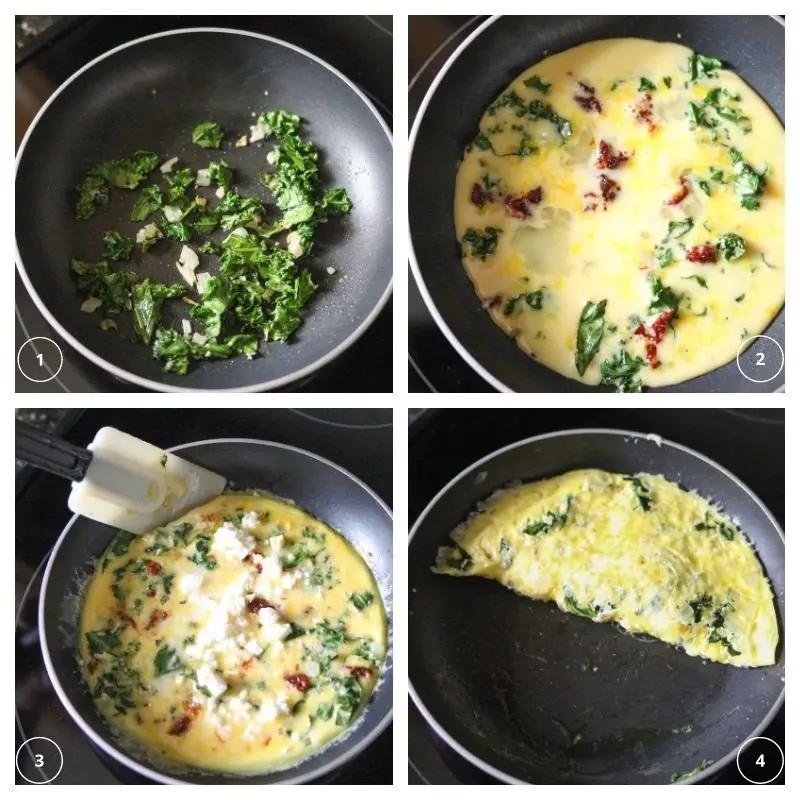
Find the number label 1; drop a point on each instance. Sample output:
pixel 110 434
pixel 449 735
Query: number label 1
pixel 40 359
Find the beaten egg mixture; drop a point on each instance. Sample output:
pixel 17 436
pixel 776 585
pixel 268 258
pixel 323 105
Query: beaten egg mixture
pixel 240 638
pixel 620 213
pixel 636 550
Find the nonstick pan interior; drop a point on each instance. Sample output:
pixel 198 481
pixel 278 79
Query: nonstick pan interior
pixel 500 50
pixel 149 95
pixel 533 695
pixel 318 486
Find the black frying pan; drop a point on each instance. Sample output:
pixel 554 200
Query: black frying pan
pixel 322 488
pixel 533 695
pixel 489 59
pixel 149 94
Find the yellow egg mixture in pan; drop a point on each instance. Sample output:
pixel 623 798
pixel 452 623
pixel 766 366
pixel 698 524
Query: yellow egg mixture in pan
pixel 636 550
pixel 621 213
pixel 242 637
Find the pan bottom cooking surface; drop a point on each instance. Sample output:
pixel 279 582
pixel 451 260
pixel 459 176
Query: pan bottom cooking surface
pixel 449 441
pixel 364 367
pixel 358 440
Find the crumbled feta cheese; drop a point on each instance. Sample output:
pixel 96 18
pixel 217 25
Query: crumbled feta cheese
pixel 172 213
pixel 91 304
pixel 199 338
pixel 209 678
pixel 148 232
pixel 251 520
pixel 187 264
pixel 259 131
pixel 272 157
pixel 273 629
pixel 241 141
pixel 168 165
pixel 311 668
pixel 232 542
pixel 187 327
pixel 202 280
pixel 203 178
pixel 220 192
pixel 294 245
pixel 190 582
pixel 240 232
pixel 250 645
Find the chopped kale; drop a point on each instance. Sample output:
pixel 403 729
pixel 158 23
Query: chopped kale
pixel 116 246
pixel 550 519
pixel 532 300
pixel 481 245
pixel 641 490
pixel 646 85
pixel 701 66
pixel 207 134
pixel 622 372
pixel 731 246
pixel 591 327
pixel 361 600
pixel 535 82
pixel 148 302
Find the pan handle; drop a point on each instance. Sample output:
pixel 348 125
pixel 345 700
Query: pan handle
pixel 50 453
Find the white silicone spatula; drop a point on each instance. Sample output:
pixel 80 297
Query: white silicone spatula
pixel 120 480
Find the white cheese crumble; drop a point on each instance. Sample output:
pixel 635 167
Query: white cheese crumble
pixel 208 678
pixel 220 192
pixel 199 338
pixel 272 157
pixel 172 213
pixel 190 582
pixel 273 629
pixel 148 232
pixel 168 165
pixel 187 264
pixel 91 304
pixel 203 178
pixel 259 131
pixel 294 245
pixel 202 280
pixel 251 520
pixel 232 542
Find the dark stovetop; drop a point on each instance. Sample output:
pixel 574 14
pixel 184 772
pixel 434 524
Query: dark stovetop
pixel 358 46
pixel 749 442
pixel 433 364
pixel 359 440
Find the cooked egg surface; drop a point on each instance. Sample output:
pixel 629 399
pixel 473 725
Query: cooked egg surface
pixel 240 638
pixel 631 549
pixel 620 213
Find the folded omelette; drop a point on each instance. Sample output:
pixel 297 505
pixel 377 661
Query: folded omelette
pixel 636 550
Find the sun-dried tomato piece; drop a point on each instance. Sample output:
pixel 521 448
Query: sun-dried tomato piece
pixel 360 672
pixel 479 196
pixel 152 567
pixel 609 189
pixel 128 619
pixel 591 204
pixel 158 615
pixel 643 112
pixel 588 100
pixel 681 194
pixel 180 726
pixel 192 709
pixel 519 207
pixel 255 604
pixel 299 681
pixel 702 254
pixel 607 158
pixel 654 335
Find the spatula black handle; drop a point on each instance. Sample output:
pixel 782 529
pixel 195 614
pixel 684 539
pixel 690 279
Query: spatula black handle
pixel 50 453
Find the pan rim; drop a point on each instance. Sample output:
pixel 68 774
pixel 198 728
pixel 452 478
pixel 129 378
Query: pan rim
pixel 147 383
pixel 482 371
pixel 106 746
pixel 625 434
